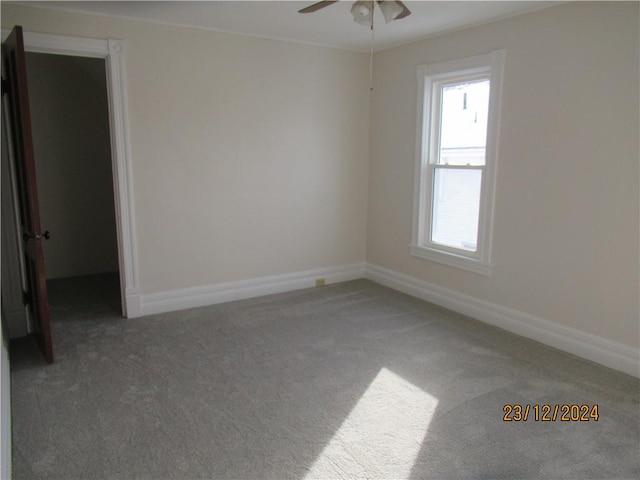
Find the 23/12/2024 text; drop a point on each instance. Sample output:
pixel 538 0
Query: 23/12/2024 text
pixel 550 413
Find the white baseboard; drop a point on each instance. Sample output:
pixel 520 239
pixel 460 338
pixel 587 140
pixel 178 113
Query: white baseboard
pixel 225 292
pixel 131 306
pixel 591 347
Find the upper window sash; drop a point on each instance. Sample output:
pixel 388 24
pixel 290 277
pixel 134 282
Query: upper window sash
pixel 436 121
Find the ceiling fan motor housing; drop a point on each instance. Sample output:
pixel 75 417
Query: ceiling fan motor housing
pixel 361 9
pixel 362 12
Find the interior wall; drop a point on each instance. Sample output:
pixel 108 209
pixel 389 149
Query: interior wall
pixel 250 156
pixel 565 242
pixel 70 121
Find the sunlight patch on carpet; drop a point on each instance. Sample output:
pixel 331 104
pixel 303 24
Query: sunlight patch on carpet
pixel 383 434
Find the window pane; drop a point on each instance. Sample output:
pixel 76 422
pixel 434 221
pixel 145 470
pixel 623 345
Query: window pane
pixel 456 204
pixel 463 123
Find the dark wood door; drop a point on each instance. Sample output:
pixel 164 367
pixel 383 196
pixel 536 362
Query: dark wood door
pixel 15 88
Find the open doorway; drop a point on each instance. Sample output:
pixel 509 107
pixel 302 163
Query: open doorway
pixel 111 53
pixel 70 124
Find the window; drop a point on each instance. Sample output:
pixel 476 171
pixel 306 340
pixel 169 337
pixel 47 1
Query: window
pixel 457 128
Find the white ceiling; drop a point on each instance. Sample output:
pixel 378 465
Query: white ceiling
pixel 332 26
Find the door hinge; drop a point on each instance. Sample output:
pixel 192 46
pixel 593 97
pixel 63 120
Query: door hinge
pixel 5 86
pixel 26 298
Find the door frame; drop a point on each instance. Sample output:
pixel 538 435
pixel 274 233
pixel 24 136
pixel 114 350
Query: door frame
pixel 112 51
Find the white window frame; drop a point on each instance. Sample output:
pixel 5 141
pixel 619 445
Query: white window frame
pixel 430 78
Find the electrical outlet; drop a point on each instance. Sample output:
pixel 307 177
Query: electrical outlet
pixel 319 282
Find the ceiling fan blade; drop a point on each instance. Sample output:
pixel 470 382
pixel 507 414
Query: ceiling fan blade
pixel 316 6
pixel 405 11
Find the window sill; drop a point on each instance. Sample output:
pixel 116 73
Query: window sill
pixel 451 259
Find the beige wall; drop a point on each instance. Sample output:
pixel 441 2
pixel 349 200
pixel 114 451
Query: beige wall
pixel 70 120
pixel 250 156
pixel 566 217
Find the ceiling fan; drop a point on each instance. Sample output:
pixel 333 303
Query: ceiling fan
pixel 362 11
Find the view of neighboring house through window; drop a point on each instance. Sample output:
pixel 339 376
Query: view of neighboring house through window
pixel 457 128
pixel 461 158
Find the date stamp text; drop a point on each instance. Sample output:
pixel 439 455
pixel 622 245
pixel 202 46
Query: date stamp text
pixel 550 413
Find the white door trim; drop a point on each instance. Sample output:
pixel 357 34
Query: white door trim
pixel 113 53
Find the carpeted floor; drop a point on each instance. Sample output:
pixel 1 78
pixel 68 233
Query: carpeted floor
pixel 351 380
